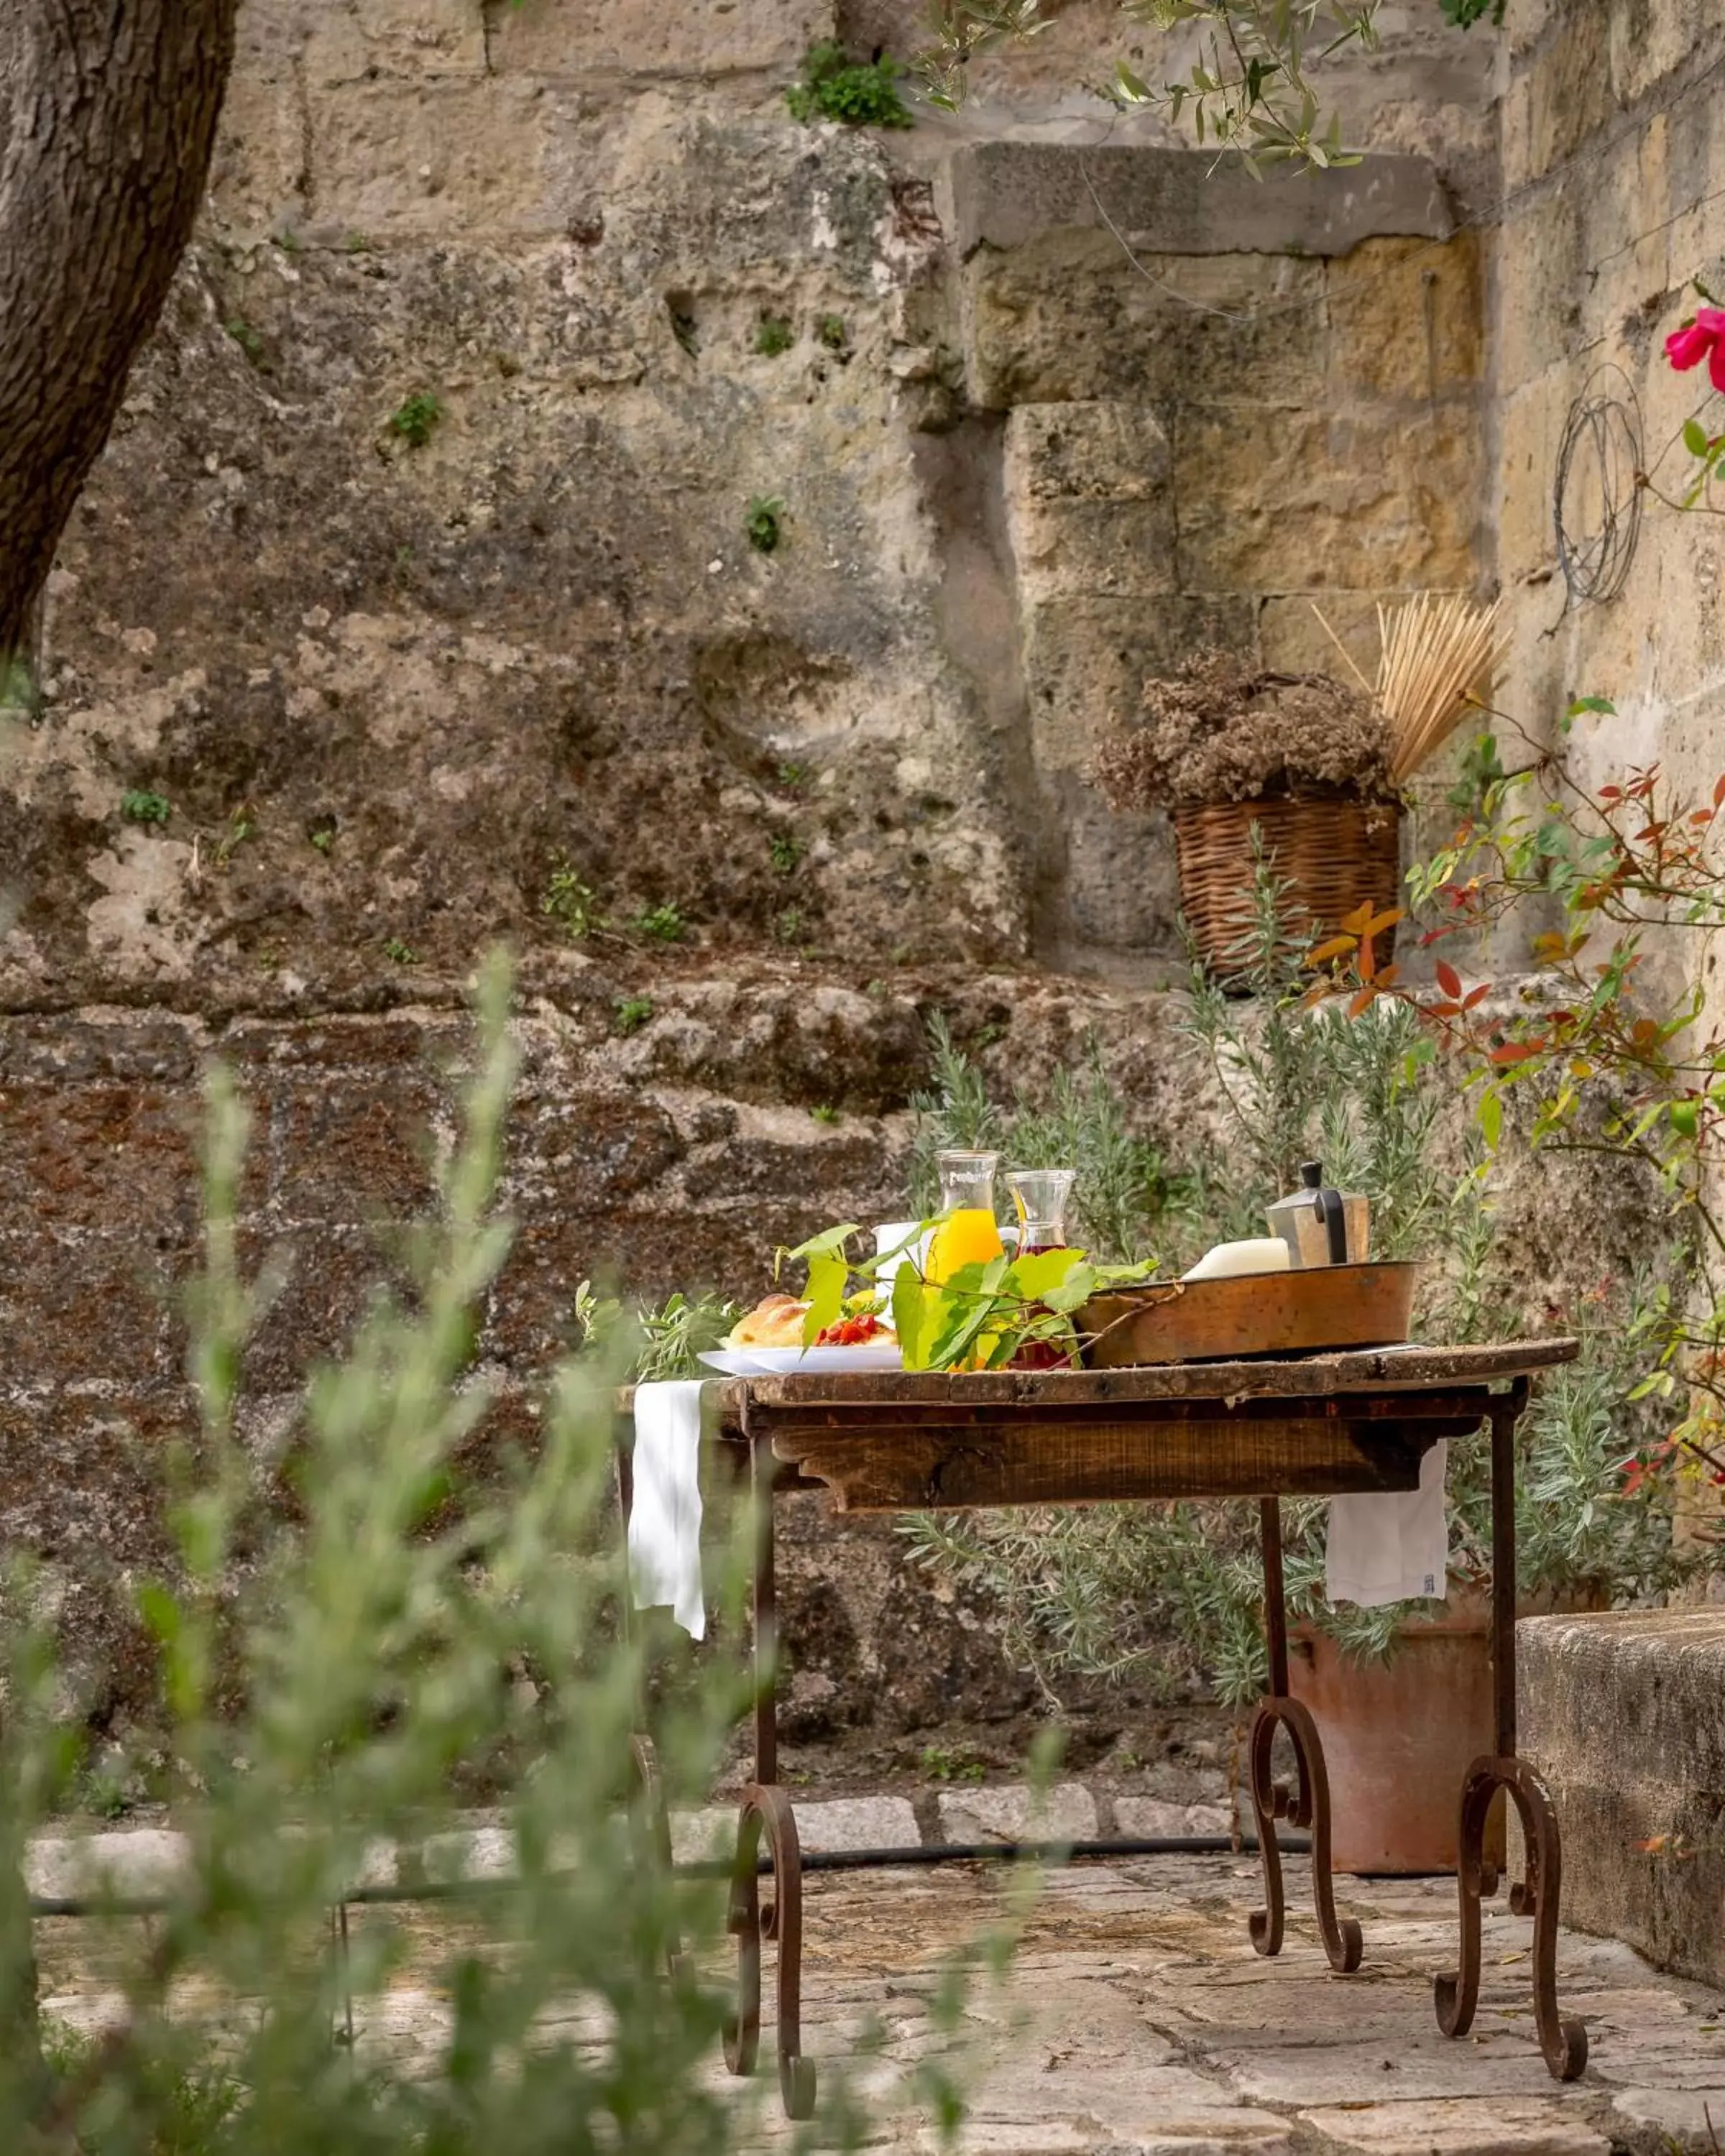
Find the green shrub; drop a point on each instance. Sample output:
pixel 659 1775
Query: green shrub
pixel 1174 1593
pixel 773 337
pixel 860 93
pixel 323 1681
pixel 140 806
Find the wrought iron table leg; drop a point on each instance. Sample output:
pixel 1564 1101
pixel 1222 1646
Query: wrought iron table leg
pixel 1308 1805
pixel 1561 2039
pixel 767 1809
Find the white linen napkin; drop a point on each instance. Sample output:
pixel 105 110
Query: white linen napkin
pixel 1391 1548
pixel 664 1519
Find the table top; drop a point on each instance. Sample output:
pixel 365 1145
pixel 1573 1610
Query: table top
pixel 1375 1370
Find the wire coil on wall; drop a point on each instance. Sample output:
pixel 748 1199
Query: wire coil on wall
pixel 1597 496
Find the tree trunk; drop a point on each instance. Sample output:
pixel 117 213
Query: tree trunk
pixel 108 112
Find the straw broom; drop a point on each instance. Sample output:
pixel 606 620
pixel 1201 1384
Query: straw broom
pixel 1436 649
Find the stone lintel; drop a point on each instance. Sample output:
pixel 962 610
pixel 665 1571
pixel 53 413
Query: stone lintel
pixel 1178 202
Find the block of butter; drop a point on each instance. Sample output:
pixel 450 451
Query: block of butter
pixel 1264 1254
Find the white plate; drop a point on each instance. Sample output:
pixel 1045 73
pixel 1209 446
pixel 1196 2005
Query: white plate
pixel 804 1362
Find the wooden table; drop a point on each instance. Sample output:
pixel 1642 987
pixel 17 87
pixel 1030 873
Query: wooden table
pixel 1319 1426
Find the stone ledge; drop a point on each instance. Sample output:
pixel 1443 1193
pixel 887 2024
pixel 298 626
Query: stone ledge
pixel 1622 1714
pixel 1171 202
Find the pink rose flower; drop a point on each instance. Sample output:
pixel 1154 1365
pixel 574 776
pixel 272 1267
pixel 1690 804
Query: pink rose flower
pixel 1702 339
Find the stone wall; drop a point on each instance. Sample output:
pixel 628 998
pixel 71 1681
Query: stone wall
pixel 1054 405
pixel 1614 161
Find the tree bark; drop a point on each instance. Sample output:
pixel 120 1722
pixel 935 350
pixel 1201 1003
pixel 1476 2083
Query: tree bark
pixel 108 112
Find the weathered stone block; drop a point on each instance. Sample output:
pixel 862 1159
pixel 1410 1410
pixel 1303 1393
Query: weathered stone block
pixel 1652 40
pixel 1087 502
pixel 78 1306
pixel 1069 317
pixel 1293 640
pixel 1530 431
pixel 99 1157
pixel 1181 202
pixel 397 160
pixel 1115 549
pixel 858 1823
pixel 351 1151
pixel 648 38
pixel 1276 502
pixel 1540 306
pixel 1622 1715
pixel 1567 95
pixel 1406 319
pixel 1087 660
pixel 1120 873
pixel 258 172
pixel 1153 1817
pixel 1103 450
pixel 1065 1813
pixel 357 40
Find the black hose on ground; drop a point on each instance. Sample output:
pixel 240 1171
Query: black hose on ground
pixel 813 1859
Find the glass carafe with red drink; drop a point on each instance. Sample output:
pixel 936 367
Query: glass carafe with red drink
pixel 1041 1197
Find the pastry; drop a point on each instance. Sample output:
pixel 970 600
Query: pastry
pixel 775 1323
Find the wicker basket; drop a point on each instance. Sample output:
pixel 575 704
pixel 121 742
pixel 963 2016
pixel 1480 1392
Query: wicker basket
pixel 1336 854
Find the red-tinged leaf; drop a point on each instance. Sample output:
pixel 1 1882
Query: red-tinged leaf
pixel 1337 946
pixel 1719 792
pixel 1701 815
pixel 1388 976
pixel 1363 1001
pixel 1475 997
pixel 1449 980
pixel 1379 921
pixel 1514 1051
pixel 1366 962
pixel 1611 794
pixel 1359 921
pixel 1443 1010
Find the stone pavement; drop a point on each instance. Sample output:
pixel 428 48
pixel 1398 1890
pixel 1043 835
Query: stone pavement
pixel 1136 2017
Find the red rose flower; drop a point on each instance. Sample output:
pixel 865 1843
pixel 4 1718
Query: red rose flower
pixel 1702 339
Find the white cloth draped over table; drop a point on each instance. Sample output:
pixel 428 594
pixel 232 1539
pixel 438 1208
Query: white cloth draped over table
pixel 665 1514
pixel 1392 1548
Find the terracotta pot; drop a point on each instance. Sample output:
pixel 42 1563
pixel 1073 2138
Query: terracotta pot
pixel 1398 1736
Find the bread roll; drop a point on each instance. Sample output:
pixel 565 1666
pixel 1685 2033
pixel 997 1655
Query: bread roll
pixel 775 1323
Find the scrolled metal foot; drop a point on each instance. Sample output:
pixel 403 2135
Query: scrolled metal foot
pixel 652 1819
pixel 767 1811
pixel 1456 1995
pixel 1308 1807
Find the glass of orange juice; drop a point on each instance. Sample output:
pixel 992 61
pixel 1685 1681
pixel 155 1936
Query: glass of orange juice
pixel 966 1233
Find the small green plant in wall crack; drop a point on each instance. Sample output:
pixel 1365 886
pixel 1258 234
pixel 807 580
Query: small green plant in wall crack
pixel 661 924
pixel 399 953
pixel 572 902
pixel 773 336
pixel 138 805
pixel 787 850
pixel 416 418
pixel 858 93
pixel 763 523
pixel 631 1013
